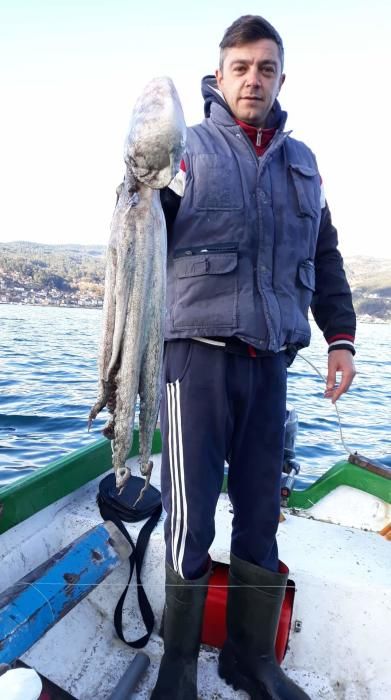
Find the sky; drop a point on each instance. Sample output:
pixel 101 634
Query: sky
pixel 71 71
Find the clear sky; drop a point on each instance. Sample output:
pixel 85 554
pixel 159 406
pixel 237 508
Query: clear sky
pixel 70 72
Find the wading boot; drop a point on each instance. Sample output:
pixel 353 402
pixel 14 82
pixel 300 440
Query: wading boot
pixel 182 626
pixel 247 659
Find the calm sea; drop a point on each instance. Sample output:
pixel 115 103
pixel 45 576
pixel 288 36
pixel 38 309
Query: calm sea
pixel 48 377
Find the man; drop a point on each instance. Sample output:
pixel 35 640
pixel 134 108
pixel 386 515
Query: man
pixel 250 247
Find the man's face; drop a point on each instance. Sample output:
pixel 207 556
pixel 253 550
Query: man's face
pixel 251 80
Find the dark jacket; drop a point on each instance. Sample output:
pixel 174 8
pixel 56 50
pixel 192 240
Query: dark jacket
pixel 250 247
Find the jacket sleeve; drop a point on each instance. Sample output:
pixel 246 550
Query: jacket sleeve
pixel 332 305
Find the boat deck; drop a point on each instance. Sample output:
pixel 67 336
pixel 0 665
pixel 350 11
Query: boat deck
pixel 342 606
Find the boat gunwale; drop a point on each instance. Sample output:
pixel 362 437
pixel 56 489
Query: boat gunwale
pixel 39 489
pixel 34 492
pixel 343 473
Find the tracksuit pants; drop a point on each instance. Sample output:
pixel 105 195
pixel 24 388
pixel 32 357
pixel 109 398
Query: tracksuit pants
pixel 217 406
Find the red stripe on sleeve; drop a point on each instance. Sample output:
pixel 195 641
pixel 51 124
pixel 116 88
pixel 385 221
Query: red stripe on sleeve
pixel 341 336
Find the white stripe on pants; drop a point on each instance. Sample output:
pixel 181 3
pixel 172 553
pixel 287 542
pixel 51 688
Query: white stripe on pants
pixel 178 492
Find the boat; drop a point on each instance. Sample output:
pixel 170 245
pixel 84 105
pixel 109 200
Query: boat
pixel 334 535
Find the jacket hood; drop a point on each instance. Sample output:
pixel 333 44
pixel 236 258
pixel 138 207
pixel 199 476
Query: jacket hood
pixel 212 94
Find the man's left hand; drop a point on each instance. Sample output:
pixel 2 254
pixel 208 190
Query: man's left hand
pixel 339 361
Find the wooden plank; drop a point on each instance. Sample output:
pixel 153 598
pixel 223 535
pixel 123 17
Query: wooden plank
pixel 370 465
pixel 35 603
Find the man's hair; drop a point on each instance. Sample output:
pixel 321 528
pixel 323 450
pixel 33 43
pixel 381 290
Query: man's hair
pixel 247 29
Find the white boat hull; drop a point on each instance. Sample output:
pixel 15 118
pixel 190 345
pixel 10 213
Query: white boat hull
pixel 342 606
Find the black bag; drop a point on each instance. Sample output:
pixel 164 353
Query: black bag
pixel 117 508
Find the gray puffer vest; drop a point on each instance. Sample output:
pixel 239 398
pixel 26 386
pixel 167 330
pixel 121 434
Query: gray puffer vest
pixel 242 247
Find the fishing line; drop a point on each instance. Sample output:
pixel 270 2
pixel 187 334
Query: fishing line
pixel 24 583
pixel 345 446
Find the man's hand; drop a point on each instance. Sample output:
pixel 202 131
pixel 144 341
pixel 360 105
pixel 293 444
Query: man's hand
pixel 339 361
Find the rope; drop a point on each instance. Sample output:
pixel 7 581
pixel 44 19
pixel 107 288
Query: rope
pixel 345 446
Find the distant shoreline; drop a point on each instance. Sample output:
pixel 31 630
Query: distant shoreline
pixel 73 276
pixel 360 319
pixel 52 306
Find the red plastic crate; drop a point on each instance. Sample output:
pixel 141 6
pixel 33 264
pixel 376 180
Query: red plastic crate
pixel 214 630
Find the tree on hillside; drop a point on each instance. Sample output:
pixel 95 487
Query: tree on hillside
pixel 48 280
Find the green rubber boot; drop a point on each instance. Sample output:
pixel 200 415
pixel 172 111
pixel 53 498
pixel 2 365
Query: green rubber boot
pixel 183 616
pixel 247 659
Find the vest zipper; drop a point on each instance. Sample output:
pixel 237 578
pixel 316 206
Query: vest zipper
pixel 278 141
pixel 198 250
pixel 260 163
pixel 259 137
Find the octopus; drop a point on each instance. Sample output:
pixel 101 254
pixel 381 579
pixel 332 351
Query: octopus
pixel 131 349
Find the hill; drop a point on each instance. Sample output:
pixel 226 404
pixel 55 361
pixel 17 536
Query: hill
pixel 370 281
pixel 60 275
pixel 73 275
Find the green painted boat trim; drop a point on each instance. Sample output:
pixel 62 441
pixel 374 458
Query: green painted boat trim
pixel 342 474
pixel 35 491
pixel 38 490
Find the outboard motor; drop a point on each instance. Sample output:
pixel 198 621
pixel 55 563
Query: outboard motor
pixel 290 467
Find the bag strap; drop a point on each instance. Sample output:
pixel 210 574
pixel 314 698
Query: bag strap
pixel 136 559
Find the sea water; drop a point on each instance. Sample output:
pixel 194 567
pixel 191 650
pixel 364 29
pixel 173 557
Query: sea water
pixel 48 382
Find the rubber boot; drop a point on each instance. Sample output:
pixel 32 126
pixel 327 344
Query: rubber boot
pixel 183 616
pixel 247 659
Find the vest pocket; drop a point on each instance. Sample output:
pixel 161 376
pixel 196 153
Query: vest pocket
pixel 307 274
pixel 306 183
pixel 305 289
pixel 206 291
